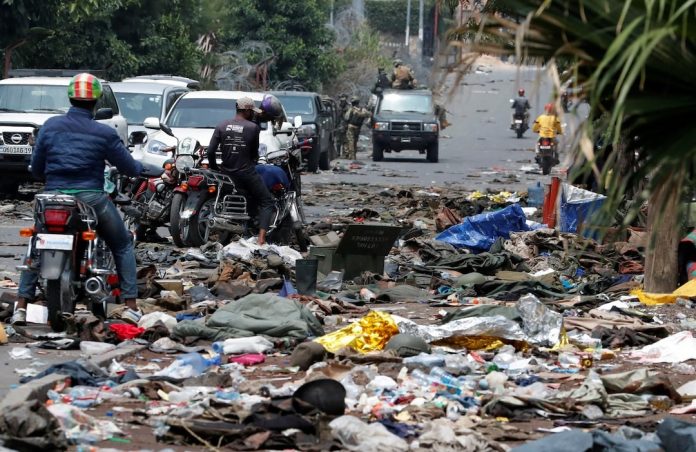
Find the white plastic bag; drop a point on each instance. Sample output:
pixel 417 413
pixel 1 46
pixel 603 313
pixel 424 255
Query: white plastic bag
pixel 357 435
pixel 238 346
pixel 149 320
pixel 95 348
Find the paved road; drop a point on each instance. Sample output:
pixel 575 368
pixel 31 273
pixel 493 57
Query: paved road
pixel 478 150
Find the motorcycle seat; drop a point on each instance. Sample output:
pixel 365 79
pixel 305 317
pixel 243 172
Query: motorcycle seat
pixel 151 170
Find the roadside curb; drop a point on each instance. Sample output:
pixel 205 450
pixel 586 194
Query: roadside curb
pixel 37 389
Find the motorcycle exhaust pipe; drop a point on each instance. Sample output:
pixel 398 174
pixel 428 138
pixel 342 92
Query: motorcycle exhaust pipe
pixel 95 286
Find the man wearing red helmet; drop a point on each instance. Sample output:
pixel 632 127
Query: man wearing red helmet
pixel 521 107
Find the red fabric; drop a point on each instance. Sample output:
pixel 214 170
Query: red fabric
pixel 125 331
pixel 248 359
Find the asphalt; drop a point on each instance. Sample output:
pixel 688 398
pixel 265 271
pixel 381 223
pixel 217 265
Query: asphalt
pixel 477 152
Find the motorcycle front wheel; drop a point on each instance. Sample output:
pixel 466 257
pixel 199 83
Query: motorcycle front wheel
pixel 175 229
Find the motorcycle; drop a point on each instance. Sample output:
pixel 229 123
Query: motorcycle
pixel 152 195
pixel 547 154
pixel 215 206
pixel 519 124
pixel 69 256
pixel 565 101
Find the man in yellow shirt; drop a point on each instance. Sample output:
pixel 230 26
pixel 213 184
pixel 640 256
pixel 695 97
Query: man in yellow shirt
pixel 547 125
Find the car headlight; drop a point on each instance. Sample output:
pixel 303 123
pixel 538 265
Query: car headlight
pixel 308 130
pixel 155 147
pixel 186 146
pixel 184 162
pixel 381 126
pixel 430 127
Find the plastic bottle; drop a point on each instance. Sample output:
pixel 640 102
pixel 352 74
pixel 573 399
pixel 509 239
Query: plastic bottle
pixel 535 196
pixel 198 362
pixel 426 359
pixel 443 377
pixel 421 377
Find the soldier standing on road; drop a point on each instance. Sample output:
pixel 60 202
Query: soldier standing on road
pixel 343 107
pixel 355 117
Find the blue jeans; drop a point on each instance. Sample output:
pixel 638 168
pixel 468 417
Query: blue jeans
pixel 111 229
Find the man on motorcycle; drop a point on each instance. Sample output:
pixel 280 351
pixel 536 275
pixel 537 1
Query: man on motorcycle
pixel 355 118
pixel 70 153
pixel 548 125
pixel 521 107
pixel 238 139
pixel 402 77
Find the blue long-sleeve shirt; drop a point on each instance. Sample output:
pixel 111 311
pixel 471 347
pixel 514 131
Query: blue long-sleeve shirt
pixel 71 151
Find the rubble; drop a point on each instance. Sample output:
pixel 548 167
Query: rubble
pixel 516 336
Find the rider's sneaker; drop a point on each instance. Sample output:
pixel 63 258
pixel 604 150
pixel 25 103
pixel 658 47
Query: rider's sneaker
pixel 19 317
pixel 131 316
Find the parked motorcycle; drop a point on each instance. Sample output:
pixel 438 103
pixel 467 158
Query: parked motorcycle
pixel 216 209
pixel 71 259
pixel 547 155
pixel 519 124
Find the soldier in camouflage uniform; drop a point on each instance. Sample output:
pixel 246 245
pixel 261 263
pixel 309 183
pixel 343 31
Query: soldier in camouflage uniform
pixel 355 117
pixel 342 125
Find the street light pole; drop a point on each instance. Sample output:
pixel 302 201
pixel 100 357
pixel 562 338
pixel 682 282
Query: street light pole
pixel 408 22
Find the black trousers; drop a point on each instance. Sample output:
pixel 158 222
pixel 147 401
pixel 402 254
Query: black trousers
pixel 253 185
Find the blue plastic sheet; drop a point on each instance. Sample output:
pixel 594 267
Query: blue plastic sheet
pixel 577 208
pixel 479 232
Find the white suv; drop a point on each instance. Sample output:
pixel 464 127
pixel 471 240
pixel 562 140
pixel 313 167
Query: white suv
pixel 25 105
pixel 195 115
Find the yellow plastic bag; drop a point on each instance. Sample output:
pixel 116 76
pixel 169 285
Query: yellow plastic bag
pixel 368 334
pixel 688 290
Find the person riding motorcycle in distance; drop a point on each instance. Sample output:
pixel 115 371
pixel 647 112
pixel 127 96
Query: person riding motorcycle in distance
pixel 548 125
pixel 238 139
pixel 70 153
pixel 521 107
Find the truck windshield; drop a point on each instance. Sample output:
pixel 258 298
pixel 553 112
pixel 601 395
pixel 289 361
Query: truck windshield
pixel 402 102
pixel 297 105
pixel 34 98
pixel 138 106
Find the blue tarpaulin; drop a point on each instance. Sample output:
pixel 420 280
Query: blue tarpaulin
pixel 577 208
pixel 479 232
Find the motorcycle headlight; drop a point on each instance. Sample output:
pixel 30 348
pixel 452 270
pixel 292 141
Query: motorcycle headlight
pixel 155 147
pixel 184 162
pixel 430 127
pixel 186 146
pixel 381 126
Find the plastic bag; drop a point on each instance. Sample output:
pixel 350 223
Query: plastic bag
pixel 357 435
pixel 541 324
pixel 479 232
pixel 333 281
pixel 125 331
pixel 238 346
pixel 149 320
pixel 370 333
pixel 95 348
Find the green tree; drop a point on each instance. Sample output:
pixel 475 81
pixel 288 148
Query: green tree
pixel 295 30
pixel 635 61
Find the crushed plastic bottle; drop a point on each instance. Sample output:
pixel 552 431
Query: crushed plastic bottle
pixel 568 360
pixel 198 362
pixel 426 359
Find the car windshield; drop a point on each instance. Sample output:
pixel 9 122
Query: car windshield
pixel 401 102
pixel 201 113
pixel 31 98
pixel 297 105
pixel 138 106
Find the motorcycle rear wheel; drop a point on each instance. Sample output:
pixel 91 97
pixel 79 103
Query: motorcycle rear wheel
pixel 546 165
pixel 520 132
pixel 59 298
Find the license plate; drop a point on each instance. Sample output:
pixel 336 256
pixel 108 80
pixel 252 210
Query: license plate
pixel 405 140
pixel 62 242
pixel 518 121
pixel 24 150
pixel 544 147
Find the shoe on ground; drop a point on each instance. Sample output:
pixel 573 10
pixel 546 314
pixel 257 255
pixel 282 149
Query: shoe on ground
pixel 19 317
pixel 131 316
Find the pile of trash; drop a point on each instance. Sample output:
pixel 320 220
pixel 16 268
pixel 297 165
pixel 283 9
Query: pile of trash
pixel 477 329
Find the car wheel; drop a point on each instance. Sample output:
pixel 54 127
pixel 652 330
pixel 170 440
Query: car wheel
pixel 433 153
pixel 377 152
pixel 324 161
pixel 313 160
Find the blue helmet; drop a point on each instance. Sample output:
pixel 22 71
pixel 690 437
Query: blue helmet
pixel 271 106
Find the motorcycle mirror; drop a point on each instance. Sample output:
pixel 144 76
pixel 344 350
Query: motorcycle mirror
pixel 166 129
pixel 297 121
pixel 104 113
pixel 137 137
pixel 152 123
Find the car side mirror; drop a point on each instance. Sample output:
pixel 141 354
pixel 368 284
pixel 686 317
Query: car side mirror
pixel 152 123
pixel 297 121
pixel 137 137
pixel 104 113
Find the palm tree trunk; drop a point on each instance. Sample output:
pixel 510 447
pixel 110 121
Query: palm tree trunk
pixel 661 270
